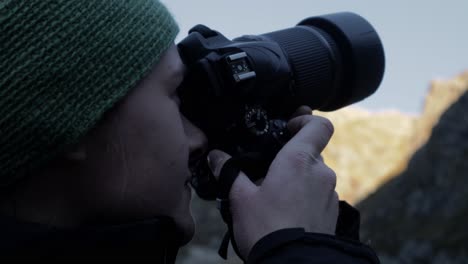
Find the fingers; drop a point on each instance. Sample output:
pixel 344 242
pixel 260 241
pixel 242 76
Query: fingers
pixel 312 134
pixel 216 160
pixel 242 186
pixel 295 124
pixel 301 155
pixel 320 158
pixel 302 110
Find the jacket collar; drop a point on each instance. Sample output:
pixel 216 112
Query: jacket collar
pixel 154 239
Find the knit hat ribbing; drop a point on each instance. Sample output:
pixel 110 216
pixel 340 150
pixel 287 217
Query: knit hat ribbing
pixel 63 64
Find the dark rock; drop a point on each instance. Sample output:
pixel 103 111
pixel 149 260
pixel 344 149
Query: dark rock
pixel 420 216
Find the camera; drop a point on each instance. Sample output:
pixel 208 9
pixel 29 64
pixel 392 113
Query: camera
pixel 241 92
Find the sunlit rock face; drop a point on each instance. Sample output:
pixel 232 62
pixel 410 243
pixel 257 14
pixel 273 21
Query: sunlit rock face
pixel 441 95
pixel 369 148
pixel 420 215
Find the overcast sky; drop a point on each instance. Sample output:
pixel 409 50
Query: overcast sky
pixel 423 40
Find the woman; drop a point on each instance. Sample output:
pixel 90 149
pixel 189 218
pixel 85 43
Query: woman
pixel 95 153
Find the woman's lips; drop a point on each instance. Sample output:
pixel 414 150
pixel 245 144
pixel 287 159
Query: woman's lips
pixel 187 182
pixel 202 180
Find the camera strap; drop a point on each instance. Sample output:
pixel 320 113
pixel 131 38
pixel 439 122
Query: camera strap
pixel 228 175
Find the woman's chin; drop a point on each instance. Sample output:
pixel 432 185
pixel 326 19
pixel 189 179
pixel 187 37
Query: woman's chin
pixel 187 227
pixel 184 219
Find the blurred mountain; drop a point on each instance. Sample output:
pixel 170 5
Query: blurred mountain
pixel 441 95
pixel 369 148
pixel 408 215
pixel 420 215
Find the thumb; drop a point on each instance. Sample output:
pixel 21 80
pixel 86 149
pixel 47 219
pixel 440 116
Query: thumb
pixel 216 160
pixel 242 185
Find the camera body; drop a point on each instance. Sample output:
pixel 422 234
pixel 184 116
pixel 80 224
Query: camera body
pixel 242 92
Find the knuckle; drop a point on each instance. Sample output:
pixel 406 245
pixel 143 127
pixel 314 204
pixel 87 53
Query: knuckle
pixel 321 158
pixel 336 196
pixel 329 177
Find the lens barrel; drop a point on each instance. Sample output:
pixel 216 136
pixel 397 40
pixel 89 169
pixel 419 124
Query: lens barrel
pixel 336 60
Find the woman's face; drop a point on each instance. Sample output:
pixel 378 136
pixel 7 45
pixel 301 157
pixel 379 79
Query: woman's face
pixel 137 158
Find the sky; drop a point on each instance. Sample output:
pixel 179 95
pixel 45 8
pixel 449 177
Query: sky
pixel 423 40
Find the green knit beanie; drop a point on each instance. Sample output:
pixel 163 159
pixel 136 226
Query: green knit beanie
pixel 63 64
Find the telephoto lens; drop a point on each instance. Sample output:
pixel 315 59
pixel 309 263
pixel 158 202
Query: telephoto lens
pixel 241 92
pixel 336 59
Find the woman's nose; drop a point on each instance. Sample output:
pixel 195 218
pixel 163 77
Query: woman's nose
pixel 198 142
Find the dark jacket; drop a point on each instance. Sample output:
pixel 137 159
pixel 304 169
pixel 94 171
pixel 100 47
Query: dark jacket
pixel 150 240
pixel 155 240
pixel 297 246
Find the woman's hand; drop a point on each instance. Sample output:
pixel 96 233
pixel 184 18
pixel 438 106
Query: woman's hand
pixel 298 190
